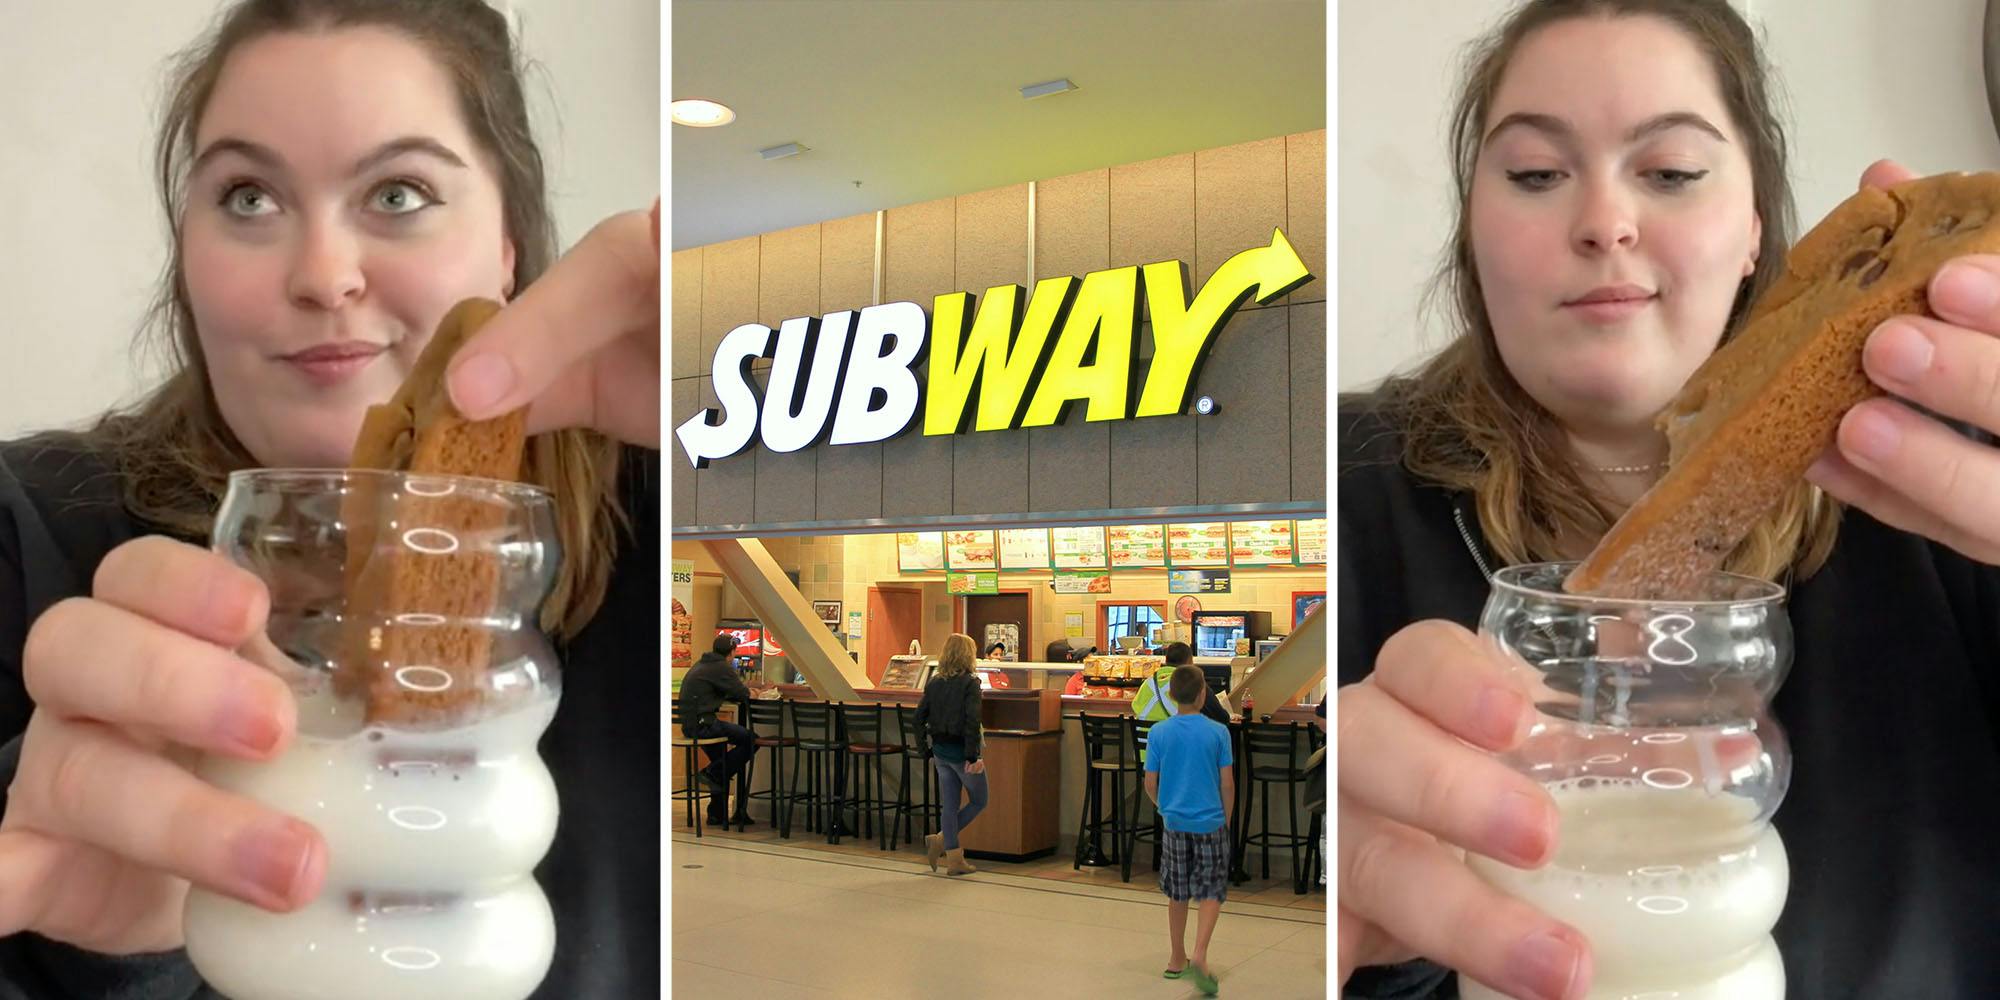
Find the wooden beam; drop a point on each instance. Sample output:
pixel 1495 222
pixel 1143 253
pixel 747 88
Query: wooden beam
pixel 809 646
pixel 1297 663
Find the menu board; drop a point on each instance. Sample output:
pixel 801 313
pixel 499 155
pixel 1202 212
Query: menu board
pixel 970 550
pixel 1260 543
pixel 1205 544
pixel 1135 546
pixel 1078 548
pixel 1310 541
pixel 919 551
pixel 1024 548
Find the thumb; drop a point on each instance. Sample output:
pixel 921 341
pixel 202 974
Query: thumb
pixel 1885 174
pixel 27 859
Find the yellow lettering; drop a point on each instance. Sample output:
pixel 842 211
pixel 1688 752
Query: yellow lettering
pixel 996 358
pixel 1100 326
pixel 1181 331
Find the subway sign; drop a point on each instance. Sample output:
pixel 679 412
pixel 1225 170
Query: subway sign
pixel 849 377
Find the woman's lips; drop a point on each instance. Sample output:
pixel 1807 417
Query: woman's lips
pixel 331 364
pixel 1610 308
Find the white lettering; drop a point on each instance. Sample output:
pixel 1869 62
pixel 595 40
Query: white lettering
pixel 784 428
pixel 857 419
pixel 706 439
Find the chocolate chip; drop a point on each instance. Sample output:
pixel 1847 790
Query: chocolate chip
pixel 1874 273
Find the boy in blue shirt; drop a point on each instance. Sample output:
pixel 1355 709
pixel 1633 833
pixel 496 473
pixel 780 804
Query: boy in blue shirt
pixel 1189 781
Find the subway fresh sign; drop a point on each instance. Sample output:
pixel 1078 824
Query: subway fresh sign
pixel 1014 361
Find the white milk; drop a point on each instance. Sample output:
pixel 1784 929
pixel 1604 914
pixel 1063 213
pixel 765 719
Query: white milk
pixel 1677 891
pixel 432 840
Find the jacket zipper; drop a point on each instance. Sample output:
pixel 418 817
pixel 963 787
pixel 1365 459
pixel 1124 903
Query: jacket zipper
pixel 1458 515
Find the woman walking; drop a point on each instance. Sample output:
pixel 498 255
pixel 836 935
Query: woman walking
pixel 948 718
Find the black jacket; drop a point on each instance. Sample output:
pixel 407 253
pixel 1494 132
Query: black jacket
pixel 60 513
pixel 706 685
pixel 949 712
pixel 1892 710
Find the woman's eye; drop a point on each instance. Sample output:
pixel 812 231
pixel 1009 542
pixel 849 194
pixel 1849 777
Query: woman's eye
pixel 401 198
pixel 1534 180
pixel 247 201
pixel 1674 180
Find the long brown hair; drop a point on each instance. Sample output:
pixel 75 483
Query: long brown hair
pixel 173 449
pixel 1468 424
pixel 956 657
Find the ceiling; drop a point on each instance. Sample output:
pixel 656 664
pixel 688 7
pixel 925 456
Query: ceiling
pixel 920 99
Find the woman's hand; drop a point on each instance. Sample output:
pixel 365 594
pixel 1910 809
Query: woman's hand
pixel 1905 468
pixel 581 344
pixel 1418 786
pixel 104 826
pixel 976 767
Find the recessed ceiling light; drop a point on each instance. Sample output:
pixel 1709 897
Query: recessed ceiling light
pixel 700 114
pixel 1035 90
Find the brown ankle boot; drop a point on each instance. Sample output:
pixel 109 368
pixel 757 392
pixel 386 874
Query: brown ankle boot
pixel 933 848
pixel 955 863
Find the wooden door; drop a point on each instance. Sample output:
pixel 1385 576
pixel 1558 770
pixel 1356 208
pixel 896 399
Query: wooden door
pixel 894 618
pixel 986 609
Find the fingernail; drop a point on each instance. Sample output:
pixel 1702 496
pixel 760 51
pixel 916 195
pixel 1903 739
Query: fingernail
pixel 1544 966
pixel 248 723
pixel 1898 352
pixel 273 860
pixel 1520 827
pixel 1965 289
pixel 1499 716
pixel 1873 435
pixel 481 382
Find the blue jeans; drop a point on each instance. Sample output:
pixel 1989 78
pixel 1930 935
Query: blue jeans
pixel 953 817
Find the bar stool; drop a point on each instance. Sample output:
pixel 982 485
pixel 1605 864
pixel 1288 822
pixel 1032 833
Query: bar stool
pixel 1107 752
pixel 817 758
pixel 915 753
pixel 1141 833
pixel 1271 752
pixel 769 714
pixel 861 732
pixel 692 791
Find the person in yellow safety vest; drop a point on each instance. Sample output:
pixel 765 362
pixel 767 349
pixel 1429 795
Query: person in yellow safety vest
pixel 1152 703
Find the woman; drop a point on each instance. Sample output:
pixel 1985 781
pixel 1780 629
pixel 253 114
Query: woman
pixel 336 174
pixel 948 718
pixel 1663 179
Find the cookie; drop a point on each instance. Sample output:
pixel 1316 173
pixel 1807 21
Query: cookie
pixel 1752 419
pixel 419 603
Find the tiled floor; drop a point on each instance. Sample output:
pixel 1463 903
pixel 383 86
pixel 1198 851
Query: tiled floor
pixel 1270 892
pixel 756 916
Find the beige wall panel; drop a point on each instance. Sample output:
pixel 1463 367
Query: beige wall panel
pixel 847 263
pixel 728 290
pixel 685 325
pixel 1305 209
pixel 1073 224
pixel 788 275
pixel 1239 197
pixel 992 239
pixel 918 261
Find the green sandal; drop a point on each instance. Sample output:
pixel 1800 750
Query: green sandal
pixel 1204 979
pixel 1173 973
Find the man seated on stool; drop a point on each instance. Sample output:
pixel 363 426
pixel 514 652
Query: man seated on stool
pixel 707 684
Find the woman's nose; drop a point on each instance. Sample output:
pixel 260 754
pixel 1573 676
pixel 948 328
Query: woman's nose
pixel 1604 220
pixel 327 272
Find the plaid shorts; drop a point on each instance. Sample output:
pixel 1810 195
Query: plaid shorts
pixel 1195 865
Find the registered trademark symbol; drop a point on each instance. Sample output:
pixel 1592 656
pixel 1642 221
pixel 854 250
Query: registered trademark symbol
pixel 1205 405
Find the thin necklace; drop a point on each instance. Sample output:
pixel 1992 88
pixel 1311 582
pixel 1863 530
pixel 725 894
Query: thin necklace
pixel 1626 469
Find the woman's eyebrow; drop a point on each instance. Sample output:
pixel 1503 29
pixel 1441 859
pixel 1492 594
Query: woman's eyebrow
pixel 421 144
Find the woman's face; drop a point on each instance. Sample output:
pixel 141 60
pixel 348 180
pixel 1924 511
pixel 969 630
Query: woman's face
pixel 337 209
pixel 1612 218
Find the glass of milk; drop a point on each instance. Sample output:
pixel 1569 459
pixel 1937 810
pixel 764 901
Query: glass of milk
pixel 405 616
pixel 1654 736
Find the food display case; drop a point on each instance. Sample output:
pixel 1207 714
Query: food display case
pixel 1120 669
